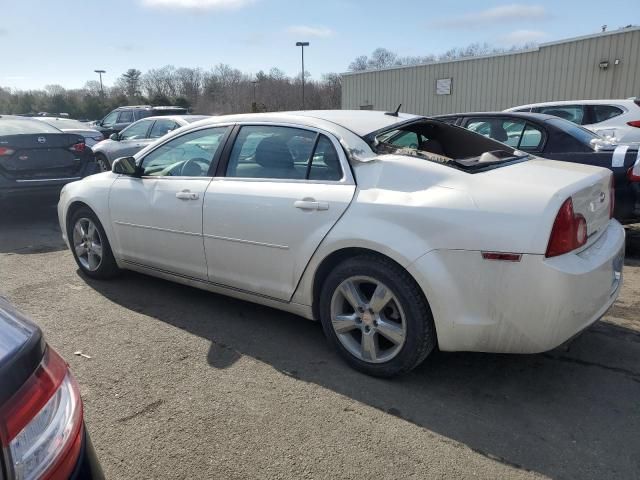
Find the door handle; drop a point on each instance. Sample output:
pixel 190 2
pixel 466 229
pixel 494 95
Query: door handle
pixel 310 204
pixel 187 195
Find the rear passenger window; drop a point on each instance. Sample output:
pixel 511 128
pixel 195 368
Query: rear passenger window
pixel 125 116
pixel 531 138
pixel 605 112
pixel 283 153
pixel 573 113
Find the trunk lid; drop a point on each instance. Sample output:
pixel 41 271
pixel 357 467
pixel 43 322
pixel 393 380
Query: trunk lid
pixel 44 155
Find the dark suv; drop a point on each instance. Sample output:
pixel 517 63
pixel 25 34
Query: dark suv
pixel 122 117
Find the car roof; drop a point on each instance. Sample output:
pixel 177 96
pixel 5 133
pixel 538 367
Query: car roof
pixel 625 101
pixel 193 118
pixel 359 122
pixel 542 117
pixel 151 107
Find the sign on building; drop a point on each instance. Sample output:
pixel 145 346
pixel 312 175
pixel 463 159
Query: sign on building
pixel 443 86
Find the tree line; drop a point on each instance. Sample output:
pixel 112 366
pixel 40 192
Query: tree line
pixel 221 90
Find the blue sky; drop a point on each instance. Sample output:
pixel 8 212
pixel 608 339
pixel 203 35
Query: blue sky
pixel 63 41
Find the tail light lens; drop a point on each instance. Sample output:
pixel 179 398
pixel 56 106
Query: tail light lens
pixel 5 151
pixel 633 174
pixel 634 123
pixel 78 147
pixel 41 425
pixel 569 231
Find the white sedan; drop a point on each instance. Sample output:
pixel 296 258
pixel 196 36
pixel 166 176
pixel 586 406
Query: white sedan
pixel 397 232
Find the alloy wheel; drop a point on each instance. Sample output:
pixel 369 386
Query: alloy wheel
pixel 368 319
pixel 87 244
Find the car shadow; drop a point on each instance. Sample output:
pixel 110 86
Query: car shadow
pixel 30 226
pixel 570 413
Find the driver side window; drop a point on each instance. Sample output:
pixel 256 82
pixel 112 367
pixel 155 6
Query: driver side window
pixel 188 155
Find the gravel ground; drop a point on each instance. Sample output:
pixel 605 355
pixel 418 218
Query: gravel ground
pixel 186 384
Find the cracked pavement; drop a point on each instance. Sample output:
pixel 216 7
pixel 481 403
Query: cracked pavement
pixel 183 383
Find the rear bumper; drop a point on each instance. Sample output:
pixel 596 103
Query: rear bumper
pixel 529 306
pixel 46 186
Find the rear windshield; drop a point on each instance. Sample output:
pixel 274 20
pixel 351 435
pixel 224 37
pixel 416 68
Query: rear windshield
pixel 445 144
pixel 65 123
pixel 581 134
pixel 23 126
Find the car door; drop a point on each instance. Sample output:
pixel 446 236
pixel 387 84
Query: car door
pixel 132 139
pixel 280 190
pixel 157 216
pixel 107 124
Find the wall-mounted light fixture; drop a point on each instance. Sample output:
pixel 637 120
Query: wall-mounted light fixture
pixel 603 65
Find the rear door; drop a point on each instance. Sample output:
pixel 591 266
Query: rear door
pixel 280 191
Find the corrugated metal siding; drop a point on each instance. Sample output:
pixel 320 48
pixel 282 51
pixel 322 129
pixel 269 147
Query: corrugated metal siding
pixel 565 70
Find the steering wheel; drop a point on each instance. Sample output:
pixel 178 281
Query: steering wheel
pixel 194 167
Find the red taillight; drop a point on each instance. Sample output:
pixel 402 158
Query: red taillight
pixel 633 174
pixel 41 424
pixel 5 151
pixel 78 147
pixel 569 231
pixel 634 123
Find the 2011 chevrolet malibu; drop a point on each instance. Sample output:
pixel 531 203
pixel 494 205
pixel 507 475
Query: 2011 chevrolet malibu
pixel 42 432
pixel 457 241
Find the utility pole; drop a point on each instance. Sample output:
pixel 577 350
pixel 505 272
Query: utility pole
pixel 302 45
pixel 255 105
pixel 100 72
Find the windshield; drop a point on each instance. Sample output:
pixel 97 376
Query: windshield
pixel 581 134
pixel 445 144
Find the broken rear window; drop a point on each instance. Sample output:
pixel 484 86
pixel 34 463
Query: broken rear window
pixel 445 144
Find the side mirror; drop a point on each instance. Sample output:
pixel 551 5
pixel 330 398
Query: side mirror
pixel 125 166
pixel 114 136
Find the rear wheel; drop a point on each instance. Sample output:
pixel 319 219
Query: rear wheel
pixel 103 163
pixel 376 316
pixel 90 246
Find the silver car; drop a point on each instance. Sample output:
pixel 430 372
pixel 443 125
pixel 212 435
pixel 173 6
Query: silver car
pixel 67 125
pixel 137 136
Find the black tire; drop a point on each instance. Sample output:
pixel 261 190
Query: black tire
pixel 420 337
pixel 103 163
pixel 107 268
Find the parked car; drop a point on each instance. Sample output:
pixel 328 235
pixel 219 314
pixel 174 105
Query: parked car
pixel 42 431
pixel 121 117
pixel 67 125
pixel 137 136
pixel 462 242
pixel 38 158
pixel 557 139
pixel 619 119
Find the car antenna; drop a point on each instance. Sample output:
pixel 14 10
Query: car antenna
pixel 394 114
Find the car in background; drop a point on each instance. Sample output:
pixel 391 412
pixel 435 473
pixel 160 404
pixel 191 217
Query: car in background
pixel 42 430
pixel 137 136
pixel 619 119
pixel 36 158
pixel 460 242
pixel 122 117
pixel 67 125
pixel 553 138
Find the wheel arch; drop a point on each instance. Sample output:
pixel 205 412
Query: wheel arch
pixel 338 256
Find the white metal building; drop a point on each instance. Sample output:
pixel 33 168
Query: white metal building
pixel 604 65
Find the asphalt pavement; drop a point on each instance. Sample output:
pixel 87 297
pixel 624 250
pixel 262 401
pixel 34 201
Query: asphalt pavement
pixel 182 383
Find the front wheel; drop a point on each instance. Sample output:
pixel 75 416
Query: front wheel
pixel 90 246
pixel 376 316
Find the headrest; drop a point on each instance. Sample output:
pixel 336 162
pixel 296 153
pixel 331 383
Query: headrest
pixel 272 152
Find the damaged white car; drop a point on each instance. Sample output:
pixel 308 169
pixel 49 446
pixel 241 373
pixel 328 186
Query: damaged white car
pixel 397 232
